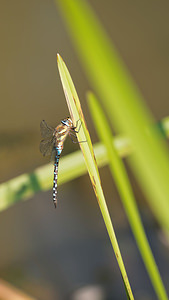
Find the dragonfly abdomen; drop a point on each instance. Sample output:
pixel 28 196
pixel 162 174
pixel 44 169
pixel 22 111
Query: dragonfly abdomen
pixel 57 157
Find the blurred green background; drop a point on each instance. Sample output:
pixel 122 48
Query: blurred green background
pixel 56 254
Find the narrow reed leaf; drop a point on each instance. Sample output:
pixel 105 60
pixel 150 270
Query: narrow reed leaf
pixel 123 103
pixel 123 185
pixel 87 150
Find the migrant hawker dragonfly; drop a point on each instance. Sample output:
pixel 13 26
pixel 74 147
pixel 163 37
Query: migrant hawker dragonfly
pixel 52 145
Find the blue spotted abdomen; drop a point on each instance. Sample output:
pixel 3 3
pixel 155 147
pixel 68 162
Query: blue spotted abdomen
pixel 57 157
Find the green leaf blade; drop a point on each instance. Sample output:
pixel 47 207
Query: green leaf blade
pixel 87 149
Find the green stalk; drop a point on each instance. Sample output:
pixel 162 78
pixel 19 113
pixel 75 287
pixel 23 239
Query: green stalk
pixel 71 166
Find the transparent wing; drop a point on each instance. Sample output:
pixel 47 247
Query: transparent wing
pixel 46 147
pixel 46 130
pixel 53 154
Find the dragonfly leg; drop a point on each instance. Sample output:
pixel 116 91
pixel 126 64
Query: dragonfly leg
pixel 72 139
pixel 76 138
pixel 74 129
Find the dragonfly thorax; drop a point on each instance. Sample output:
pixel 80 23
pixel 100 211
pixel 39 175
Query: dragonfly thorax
pixel 61 132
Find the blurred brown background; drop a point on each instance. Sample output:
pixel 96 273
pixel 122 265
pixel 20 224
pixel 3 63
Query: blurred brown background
pixel 51 254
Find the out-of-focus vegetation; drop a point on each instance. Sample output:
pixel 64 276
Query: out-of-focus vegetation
pixel 121 179
pixel 123 103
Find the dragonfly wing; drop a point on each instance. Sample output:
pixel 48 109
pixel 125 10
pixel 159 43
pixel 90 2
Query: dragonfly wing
pixel 53 154
pixel 46 130
pixel 46 147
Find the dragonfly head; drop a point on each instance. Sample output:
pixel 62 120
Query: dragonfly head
pixel 68 122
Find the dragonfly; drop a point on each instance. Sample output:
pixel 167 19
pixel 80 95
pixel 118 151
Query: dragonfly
pixel 52 144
